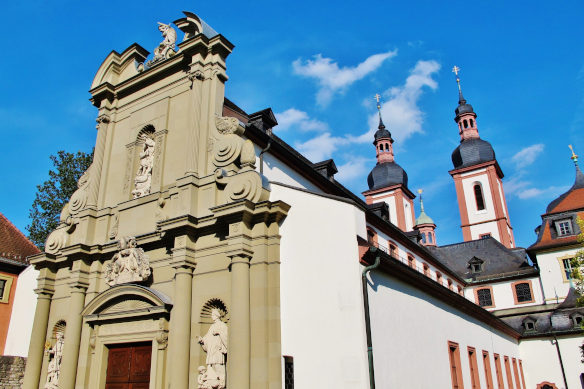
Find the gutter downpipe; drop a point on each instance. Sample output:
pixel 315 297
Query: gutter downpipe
pixel 262 156
pixel 560 358
pixel 367 319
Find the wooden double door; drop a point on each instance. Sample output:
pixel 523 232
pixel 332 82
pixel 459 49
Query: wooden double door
pixel 128 366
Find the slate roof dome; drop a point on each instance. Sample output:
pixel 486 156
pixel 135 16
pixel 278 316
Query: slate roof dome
pixel 424 219
pixel 382 133
pixel 572 199
pixel 463 108
pixel 471 152
pixel 387 174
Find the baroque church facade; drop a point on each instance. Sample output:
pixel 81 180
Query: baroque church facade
pixel 187 258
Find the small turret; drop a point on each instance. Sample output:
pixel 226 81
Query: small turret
pixel 425 225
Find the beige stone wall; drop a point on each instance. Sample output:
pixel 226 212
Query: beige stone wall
pixel 207 228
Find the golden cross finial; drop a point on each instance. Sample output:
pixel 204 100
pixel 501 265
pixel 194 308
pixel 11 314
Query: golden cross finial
pixel 574 156
pixel 420 191
pixel 421 201
pixel 377 98
pixel 456 70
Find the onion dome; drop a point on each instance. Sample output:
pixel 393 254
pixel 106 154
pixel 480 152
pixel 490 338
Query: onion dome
pixel 382 132
pixel 574 197
pixel 463 107
pixel 471 152
pixel 387 174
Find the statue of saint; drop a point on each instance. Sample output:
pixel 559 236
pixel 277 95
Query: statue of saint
pixel 215 345
pixel 55 355
pixel 166 48
pixel 144 174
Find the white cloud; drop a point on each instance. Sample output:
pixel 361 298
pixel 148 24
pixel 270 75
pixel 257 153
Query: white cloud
pixel 355 167
pixel 294 118
pixel 523 189
pixel 321 147
pixel 332 78
pixel 527 155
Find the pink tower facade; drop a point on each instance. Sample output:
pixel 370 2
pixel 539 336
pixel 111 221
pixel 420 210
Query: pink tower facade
pixel 478 181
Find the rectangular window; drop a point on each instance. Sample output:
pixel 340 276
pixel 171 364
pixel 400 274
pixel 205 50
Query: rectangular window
pixel 439 278
pixel 522 292
pixel 498 371
pixel 485 236
pixel 484 297
pixel 5 285
pixel 288 372
pixel 508 373
pixel 521 371
pixel 567 262
pixel 516 372
pixel 564 227
pixel 487 366
pixel 455 371
pixel 474 371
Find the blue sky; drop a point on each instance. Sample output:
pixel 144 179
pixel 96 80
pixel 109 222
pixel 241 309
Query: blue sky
pixel 318 66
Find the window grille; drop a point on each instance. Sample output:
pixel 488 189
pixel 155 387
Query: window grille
pixel 567 267
pixel 564 227
pixel 484 297
pixel 523 292
pixel 288 372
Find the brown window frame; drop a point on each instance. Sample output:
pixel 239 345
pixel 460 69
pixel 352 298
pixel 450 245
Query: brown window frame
pixel 521 370
pixel 475 381
pixel 455 365
pixel 498 370
pixel 487 367
pixel 516 373
pixel 508 372
pixel 514 288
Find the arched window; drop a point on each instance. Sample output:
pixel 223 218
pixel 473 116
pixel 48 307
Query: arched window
pixel 523 292
pixel 484 297
pixel 371 236
pixel 387 147
pixel 426 270
pixel 423 237
pixel 411 262
pixel 478 192
pixel 465 123
pixel 393 250
pixel 471 123
pixel 430 237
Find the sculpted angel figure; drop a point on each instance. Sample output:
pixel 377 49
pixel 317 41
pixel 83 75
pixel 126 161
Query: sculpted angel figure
pixel 54 369
pixel 215 344
pixel 165 47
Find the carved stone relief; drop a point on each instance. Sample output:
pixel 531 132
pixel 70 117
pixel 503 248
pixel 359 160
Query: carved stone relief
pixel 164 50
pixel 214 343
pixel 143 180
pixel 129 264
pixel 55 354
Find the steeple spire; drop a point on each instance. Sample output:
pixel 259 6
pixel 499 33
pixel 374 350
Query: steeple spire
pixel 461 100
pixel 382 138
pixel 465 115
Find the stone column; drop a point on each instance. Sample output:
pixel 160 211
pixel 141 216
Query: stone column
pixel 180 334
pixel 37 339
pixel 72 337
pixel 238 355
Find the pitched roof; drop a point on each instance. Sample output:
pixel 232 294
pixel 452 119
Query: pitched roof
pixel 14 246
pixel 572 199
pixel 499 261
pixel 548 237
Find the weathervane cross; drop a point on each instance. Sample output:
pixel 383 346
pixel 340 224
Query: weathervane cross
pixel 377 97
pixel 455 70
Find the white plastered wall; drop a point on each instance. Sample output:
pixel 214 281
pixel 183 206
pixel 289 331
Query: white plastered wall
pixel 502 293
pixel 22 318
pixel 390 201
pixel 411 330
pixel 321 300
pixel 475 216
pixel 541 362
pixel 555 286
pixel 491 228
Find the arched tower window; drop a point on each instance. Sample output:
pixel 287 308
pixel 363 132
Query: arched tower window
pixel 465 123
pixel 387 147
pixel 471 123
pixel 480 200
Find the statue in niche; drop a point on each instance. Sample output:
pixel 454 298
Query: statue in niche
pixel 144 174
pixel 214 343
pixel 129 264
pixel 166 48
pixel 56 355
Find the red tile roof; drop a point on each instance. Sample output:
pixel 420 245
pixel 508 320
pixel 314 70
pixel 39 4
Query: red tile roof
pixel 13 244
pixel 574 200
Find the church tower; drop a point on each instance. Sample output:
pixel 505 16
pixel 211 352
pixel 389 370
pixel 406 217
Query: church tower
pixel 425 225
pixel 388 182
pixel 477 177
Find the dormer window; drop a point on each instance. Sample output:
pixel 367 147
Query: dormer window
pixel 476 265
pixel 577 319
pixel 564 227
pixel 529 324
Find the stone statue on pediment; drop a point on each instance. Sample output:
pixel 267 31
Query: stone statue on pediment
pixel 129 264
pixel 166 48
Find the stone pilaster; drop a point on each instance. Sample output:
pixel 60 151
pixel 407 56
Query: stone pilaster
pixel 183 260
pixel 103 121
pixel 78 285
pixel 36 348
pixel 239 353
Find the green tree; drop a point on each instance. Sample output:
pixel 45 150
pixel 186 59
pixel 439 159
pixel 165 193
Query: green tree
pixel 577 264
pixel 54 193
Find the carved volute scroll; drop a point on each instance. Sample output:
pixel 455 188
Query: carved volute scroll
pixel 129 264
pixel 234 163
